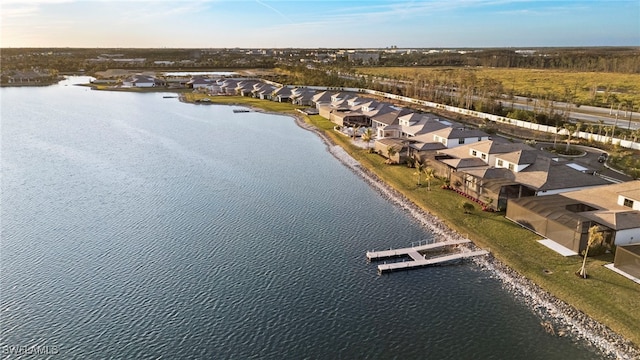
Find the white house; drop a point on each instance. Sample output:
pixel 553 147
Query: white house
pixel 139 80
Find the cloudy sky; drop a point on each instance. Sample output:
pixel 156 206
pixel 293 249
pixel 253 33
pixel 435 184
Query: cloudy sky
pixel 312 24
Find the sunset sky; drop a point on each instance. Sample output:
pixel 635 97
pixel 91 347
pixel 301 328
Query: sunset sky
pixel 313 24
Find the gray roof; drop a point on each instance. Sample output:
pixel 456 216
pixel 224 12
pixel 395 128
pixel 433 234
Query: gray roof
pixel 458 133
pixel 491 173
pixel 521 157
pixel 386 114
pixel 495 146
pixel 617 220
pixel 282 92
pixel 464 162
pixel 605 196
pixel 324 96
pixel 545 174
pixel 422 146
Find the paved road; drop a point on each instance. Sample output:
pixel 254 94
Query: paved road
pixel 592 114
pixel 588 114
pixel 590 161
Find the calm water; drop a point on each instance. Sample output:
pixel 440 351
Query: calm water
pixel 138 227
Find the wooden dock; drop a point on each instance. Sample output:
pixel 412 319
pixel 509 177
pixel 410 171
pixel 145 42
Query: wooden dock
pixel 382 268
pixel 417 259
pixel 379 255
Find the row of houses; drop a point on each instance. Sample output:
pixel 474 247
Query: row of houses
pixel 560 200
pixel 29 77
pixel 557 199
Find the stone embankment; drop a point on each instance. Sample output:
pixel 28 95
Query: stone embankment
pixel 557 317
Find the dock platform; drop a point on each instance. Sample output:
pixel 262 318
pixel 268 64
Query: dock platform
pixel 417 259
pixel 379 255
pixel 403 265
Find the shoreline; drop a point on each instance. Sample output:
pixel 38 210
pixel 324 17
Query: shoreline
pixel 557 317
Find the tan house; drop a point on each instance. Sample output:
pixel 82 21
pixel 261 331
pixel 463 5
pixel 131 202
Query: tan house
pixel 500 170
pixel 627 260
pixel 566 218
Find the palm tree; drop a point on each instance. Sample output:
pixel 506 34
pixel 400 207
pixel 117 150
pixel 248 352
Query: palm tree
pixel 355 131
pixel 571 128
pixel 595 236
pixel 635 135
pixel 591 129
pixel 391 151
pixel 419 169
pixel 429 175
pixel 578 128
pixel 555 137
pixel 367 136
pixel 600 125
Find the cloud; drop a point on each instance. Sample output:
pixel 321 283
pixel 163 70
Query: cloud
pixel 274 10
pixel 19 11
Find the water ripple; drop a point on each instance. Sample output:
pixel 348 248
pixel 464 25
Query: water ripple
pixel 130 232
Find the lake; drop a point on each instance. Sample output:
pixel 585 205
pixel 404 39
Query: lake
pixel 139 227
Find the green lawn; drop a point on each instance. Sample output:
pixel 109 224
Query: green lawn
pixel 605 296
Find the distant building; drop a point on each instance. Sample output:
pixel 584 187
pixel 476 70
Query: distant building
pixel 139 80
pixel 364 57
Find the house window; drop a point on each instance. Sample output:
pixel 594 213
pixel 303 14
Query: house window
pixel 461 141
pixel 500 163
pixel 479 138
pixel 474 153
pixel 510 166
pixel 628 203
pixel 484 156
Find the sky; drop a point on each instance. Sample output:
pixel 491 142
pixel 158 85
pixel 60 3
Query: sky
pixel 318 24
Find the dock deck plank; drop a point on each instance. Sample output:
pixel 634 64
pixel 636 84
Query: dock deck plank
pixel 431 261
pixel 376 255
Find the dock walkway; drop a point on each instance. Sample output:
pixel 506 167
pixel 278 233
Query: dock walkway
pixel 382 268
pixel 379 255
pixel 417 259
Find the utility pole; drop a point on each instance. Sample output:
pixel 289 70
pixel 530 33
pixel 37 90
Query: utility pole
pixel 613 131
pixel 630 116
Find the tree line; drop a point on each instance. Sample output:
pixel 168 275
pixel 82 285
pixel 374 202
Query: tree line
pixel 600 59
